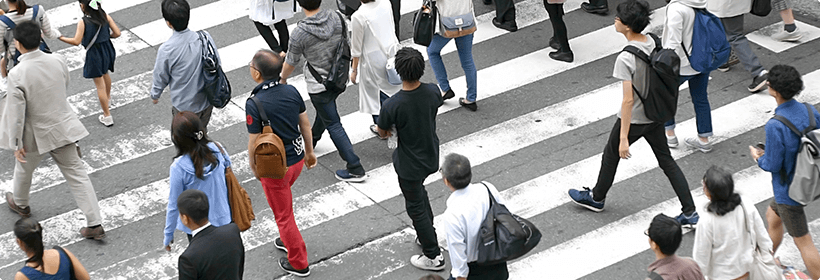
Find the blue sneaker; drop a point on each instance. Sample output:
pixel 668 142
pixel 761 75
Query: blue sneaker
pixel 344 175
pixel 584 199
pixel 688 221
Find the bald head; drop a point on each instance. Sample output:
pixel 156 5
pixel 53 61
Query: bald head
pixel 268 64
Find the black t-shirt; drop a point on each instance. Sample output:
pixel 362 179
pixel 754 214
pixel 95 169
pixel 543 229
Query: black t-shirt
pixel 414 115
pixel 282 104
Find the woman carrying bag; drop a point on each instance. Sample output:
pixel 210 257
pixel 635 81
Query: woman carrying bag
pixel 731 241
pixel 456 20
pixel 372 44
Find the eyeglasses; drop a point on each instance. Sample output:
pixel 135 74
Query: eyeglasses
pixel 646 232
pixel 250 64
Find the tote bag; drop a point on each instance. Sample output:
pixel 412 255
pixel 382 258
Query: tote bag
pixel 763 265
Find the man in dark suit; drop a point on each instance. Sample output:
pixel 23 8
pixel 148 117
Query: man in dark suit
pixel 214 252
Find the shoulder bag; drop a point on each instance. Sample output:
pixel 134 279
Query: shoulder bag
pixel 504 236
pixel 763 265
pixel 238 199
pixel 761 8
pixel 424 23
pixel 71 275
pixel 457 21
pixel 390 64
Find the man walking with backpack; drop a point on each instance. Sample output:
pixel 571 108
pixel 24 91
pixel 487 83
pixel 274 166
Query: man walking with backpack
pixel 317 37
pixel 633 123
pixel 731 14
pixel 780 159
pixel 179 64
pixel 283 107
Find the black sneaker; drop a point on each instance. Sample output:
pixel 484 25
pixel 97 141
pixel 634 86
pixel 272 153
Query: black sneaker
pixel 589 8
pixel 285 265
pixel 759 83
pixel 690 221
pixel 584 199
pixel 346 176
pixel 280 245
pixel 733 60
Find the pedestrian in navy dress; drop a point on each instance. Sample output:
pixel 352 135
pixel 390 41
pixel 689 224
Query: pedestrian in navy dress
pixel 94 32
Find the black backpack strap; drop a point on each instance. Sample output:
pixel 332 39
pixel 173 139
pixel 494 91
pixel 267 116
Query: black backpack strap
pixel 637 52
pixel 655 276
pixel 492 199
pixel 788 124
pixel 812 122
pixel 261 110
pixel 70 263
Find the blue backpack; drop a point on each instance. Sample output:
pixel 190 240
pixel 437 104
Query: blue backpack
pixel 710 49
pixel 9 35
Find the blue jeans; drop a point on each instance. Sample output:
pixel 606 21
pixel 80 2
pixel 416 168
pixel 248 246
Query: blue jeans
pixel 327 117
pixel 464 44
pixel 700 99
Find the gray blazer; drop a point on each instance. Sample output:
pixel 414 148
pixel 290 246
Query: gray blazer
pixel 36 113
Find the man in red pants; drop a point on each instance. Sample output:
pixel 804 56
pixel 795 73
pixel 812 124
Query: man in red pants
pixel 285 110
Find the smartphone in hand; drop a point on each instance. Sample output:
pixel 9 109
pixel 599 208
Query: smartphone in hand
pixel 760 146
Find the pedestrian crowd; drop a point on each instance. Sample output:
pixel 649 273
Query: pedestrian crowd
pixel 361 45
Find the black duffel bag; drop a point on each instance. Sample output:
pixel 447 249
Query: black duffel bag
pixel 424 23
pixel 504 236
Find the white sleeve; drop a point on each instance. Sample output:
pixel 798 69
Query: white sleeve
pixel 702 249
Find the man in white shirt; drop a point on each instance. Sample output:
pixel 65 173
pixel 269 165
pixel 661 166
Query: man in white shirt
pixel 466 208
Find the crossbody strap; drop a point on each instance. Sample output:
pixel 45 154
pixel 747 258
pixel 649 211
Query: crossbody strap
pixel 70 263
pixel 492 199
pixel 261 110
pixel 10 23
pixel 94 39
pixel 793 128
pixel 655 276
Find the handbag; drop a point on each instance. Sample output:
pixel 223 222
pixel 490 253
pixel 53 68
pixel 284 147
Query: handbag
pixel 763 265
pixel 390 63
pixel 457 19
pixel 424 23
pixel 504 236
pixel 238 199
pixel 761 8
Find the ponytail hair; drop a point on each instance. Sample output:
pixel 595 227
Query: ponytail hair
pixel 30 233
pixel 97 16
pixel 721 187
pixel 21 6
pixel 188 136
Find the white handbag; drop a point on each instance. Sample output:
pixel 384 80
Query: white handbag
pixel 390 60
pixel 763 266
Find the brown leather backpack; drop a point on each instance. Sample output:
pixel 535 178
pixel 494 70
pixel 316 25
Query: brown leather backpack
pixel 270 159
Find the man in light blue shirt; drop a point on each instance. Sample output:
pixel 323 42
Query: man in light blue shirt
pixel 179 64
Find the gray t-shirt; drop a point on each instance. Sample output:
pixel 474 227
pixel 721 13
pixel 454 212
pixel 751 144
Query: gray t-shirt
pixel 624 69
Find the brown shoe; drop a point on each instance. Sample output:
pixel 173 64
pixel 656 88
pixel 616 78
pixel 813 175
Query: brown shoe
pixel 24 212
pixel 97 233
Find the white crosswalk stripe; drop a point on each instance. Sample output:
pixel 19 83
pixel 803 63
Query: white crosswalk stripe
pixel 536 196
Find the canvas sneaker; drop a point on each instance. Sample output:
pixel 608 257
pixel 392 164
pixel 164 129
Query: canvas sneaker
pixel 346 176
pixel 423 262
pixel 107 121
pixel 688 221
pixel 759 83
pixel 584 199
pixel 786 36
pixel 694 142
pixel 733 60
pixel 672 141
pixel 285 265
pixel 279 244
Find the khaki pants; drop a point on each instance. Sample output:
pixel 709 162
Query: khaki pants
pixel 68 160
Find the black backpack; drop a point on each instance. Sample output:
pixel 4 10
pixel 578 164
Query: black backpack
pixel 339 75
pixel 504 236
pixel 217 88
pixel 656 81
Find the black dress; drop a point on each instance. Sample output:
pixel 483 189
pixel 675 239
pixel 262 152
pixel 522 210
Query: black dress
pixel 99 58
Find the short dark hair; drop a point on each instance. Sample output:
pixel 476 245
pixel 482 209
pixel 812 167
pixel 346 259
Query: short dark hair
pixel 194 204
pixel 28 34
pixel 268 64
pixel 431 277
pixel 782 78
pixel 666 232
pixel 310 5
pixel 634 14
pixel 409 64
pixel 721 187
pixel 177 12
pixel 457 171
pixel 367 1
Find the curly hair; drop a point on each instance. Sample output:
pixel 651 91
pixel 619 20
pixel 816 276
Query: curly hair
pixel 786 81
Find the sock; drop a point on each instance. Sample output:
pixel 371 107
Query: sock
pixel 790 27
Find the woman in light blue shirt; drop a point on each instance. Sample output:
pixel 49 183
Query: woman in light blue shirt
pixel 199 164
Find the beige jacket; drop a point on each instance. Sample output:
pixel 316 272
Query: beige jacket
pixel 35 112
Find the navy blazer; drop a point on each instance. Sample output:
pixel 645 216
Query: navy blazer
pixel 214 253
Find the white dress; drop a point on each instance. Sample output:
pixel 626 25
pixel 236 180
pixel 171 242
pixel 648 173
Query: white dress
pixel 372 37
pixel 269 12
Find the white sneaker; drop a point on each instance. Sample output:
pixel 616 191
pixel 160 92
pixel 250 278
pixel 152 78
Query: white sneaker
pixel 107 121
pixel 672 141
pixel 423 262
pixel 786 36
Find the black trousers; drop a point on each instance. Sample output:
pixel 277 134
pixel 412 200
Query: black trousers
pixel 396 4
pixel 505 11
pixel 418 208
pixel 654 135
pixel 559 28
pixel 487 272
pixel 267 34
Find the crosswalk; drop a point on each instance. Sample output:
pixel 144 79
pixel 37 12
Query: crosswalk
pixel 539 130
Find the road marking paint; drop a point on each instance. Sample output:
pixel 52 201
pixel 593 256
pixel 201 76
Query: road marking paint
pixel 788 252
pixel 70 13
pixel 763 37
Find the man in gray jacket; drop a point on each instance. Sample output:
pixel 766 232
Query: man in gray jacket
pixel 39 120
pixel 316 37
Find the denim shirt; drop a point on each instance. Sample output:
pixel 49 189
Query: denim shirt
pixel 179 67
pixel 782 145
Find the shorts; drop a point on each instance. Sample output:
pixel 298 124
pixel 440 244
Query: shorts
pixel 793 217
pixel 779 5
